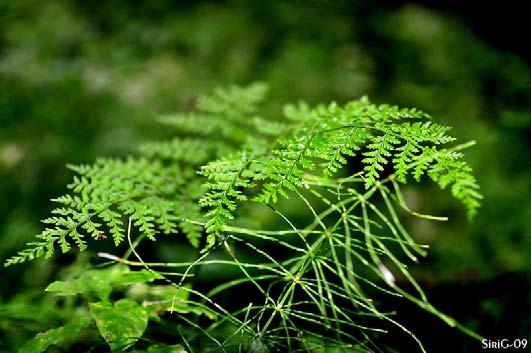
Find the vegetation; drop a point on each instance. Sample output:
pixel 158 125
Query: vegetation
pixel 90 82
pixel 313 290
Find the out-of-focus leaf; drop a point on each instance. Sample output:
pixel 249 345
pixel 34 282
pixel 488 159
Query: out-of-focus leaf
pixel 102 282
pixel 168 298
pixel 30 306
pixel 43 340
pixel 121 324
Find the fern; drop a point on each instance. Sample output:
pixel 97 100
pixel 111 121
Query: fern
pixel 343 163
pixel 153 189
pixel 378 155
pixel 228 178
pixel 103 195
pixel 193 151
pixel 228 116
pixel 326 137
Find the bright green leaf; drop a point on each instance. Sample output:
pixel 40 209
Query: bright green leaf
pixel 120 325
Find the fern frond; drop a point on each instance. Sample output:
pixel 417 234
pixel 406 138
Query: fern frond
pixel 234 102
pixel 270 128
pixel 193 151
pixel 102 196
pixel 205 125
pixel 228 114
pixel 254 152
pixel 224 155
pixel 378 156
pixel 227 180
pixel 154 190
pixel 323 139
pixel 449 170
pixel 285 170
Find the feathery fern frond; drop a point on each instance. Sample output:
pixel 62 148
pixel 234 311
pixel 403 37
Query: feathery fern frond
pixel 321 141
pixel 378 156
pixel 228 114
pixel 234 102
pixel 449 170
pixel 227 180
pixel 192 151
pixel 224 155
pixel 102 196
pixel 154 190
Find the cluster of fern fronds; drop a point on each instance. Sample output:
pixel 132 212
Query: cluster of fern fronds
pixel 342 166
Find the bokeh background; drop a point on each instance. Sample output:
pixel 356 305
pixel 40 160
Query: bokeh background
pixel 80 79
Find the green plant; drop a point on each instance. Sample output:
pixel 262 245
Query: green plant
pixel 307 208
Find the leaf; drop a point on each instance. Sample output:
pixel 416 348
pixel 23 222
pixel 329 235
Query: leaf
pixel 377 156
pixel 102 282
pixel 168 298
pixel 227 180
pixel 120 325
pixel 43 340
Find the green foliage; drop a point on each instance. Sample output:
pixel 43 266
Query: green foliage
pixel 87 84
pixel 101 282
pixel 225 120
pixel 227 178
pixel 344 164
pixel 325 137
pixel 121 324
pixel 103 195
pixel 155 191
pixel 42 341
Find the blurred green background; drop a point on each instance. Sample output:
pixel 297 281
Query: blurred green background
pixel 81 79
